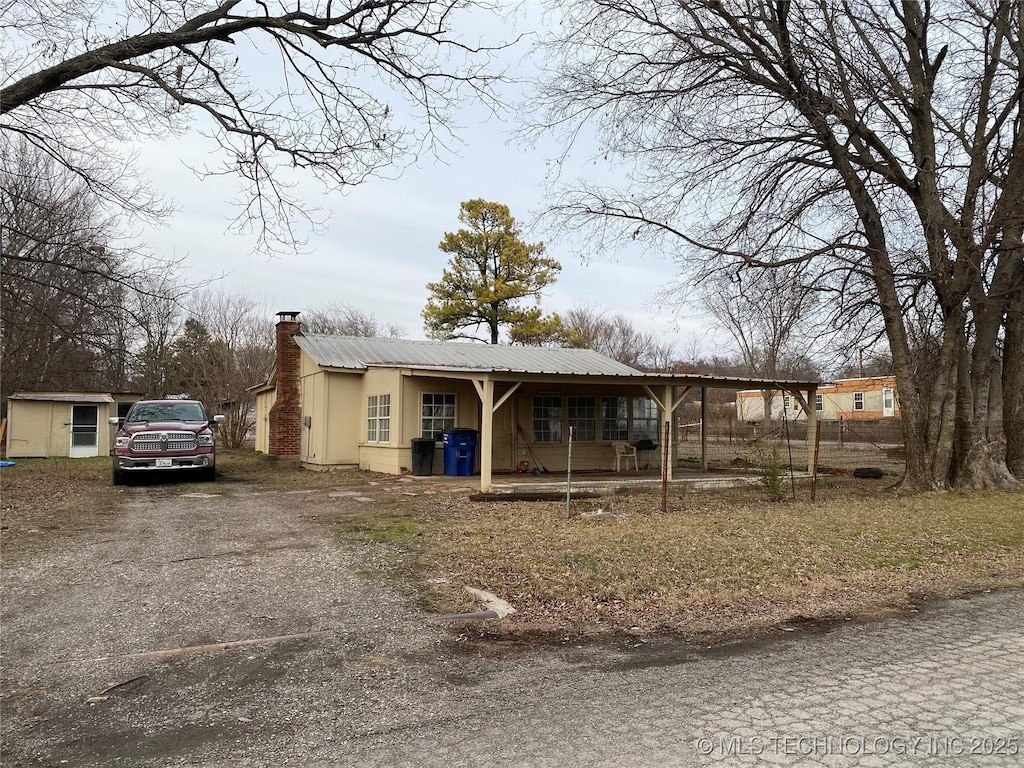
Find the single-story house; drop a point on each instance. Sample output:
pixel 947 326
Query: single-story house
pixel 73 424
pixel 337 400
pixel 871 397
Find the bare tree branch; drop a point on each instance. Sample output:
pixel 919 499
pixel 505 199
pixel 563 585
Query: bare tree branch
pixel 358 86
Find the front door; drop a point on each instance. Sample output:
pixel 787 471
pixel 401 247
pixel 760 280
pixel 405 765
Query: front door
pixel 84 431
pixel 503 429
pixel 888 403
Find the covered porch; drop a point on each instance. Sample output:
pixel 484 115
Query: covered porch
pixel 557 423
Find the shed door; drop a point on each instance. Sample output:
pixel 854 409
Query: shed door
pixel 888 403
pixel 84 431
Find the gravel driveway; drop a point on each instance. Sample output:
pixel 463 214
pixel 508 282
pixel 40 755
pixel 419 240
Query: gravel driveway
pixel 185 565
pixel 363 678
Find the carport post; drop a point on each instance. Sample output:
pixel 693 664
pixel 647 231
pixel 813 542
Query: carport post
pixel 812 428
pixel 486 432
pixel 668 415
pixel 704 429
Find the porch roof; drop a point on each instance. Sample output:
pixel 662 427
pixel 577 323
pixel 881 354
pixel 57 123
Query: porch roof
pixel 509 364
pixel 349 352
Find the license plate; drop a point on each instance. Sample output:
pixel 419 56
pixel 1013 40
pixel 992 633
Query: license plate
pixel 163 463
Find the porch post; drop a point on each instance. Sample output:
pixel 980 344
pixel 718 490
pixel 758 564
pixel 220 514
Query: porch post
pixel 668 416
pixel 704 429
pixel 486 434
pixel 812 428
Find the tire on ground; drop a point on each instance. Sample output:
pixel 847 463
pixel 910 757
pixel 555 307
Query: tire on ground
pixel 868 473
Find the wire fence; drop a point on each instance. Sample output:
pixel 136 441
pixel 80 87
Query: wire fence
pixel 843 445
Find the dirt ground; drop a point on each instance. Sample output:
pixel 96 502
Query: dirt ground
pixel 255 620
pixel 113 608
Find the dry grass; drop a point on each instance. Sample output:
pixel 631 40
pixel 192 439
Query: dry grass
pixel 718 565
pixel 45 500
pixel 247 466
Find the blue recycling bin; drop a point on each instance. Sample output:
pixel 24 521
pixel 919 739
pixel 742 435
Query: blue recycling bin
pixel 459 452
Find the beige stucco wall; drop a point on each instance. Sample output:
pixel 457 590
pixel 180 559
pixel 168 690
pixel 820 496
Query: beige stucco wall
pixel 391 456
pixel 42 428
pixel 336 403
pixel 467 412
pixel 333 402
pixel 264 401
pixel 312 394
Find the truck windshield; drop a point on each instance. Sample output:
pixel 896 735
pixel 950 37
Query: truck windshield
pixel 142 412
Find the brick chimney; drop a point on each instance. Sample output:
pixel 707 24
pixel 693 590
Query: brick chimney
pixel 286 412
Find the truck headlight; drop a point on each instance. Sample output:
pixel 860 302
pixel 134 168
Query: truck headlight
pixel 122 442
pixel 204 439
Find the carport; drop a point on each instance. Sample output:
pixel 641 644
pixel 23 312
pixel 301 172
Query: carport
pixel 668 391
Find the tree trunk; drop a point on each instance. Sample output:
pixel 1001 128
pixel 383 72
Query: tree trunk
pixel 767 395
pixel 1013 386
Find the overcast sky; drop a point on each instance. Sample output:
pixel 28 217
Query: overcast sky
pixel 379 248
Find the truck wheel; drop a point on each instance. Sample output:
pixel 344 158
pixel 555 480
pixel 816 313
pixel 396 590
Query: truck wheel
pixel 119 477
pixel 208 474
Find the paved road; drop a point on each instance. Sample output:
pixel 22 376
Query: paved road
pixel 372 683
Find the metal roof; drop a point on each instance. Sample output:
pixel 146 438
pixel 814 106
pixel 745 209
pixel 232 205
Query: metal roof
pixel 360 353
pixel 63 397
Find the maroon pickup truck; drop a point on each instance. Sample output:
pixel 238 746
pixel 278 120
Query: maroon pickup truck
pixel 165 436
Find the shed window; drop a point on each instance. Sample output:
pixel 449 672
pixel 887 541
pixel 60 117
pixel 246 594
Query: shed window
pixel 858 401
pixel 819 402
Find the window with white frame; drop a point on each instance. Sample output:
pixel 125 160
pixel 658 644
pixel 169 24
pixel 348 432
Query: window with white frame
pixel 786 401
pixel 582 413
pixel 819 402
pixel 547 419
pixel 645 420
pixel 614 419
pixel 378 419
pixel 858 401
pixel 437 414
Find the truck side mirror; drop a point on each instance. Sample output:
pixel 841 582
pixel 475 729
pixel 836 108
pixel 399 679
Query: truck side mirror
pixel 218 418
pixel 114 420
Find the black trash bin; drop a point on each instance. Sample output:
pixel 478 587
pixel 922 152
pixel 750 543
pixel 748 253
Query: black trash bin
pixel 423 456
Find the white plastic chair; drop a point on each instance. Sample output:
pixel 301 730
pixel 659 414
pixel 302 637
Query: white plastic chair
pixel 627 451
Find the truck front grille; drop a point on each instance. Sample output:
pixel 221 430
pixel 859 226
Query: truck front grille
pixel 155 442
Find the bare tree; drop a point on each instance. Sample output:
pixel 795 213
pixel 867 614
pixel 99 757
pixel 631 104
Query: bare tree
pixel 346 320
pixel 880 143
pixel 225 348
pixel 767 313
pixel 62 285
pixel 156 313
pixel 614 335
pixel 341 90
